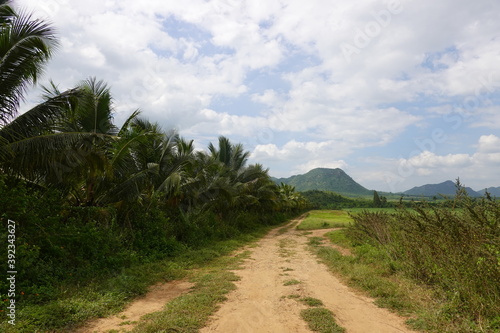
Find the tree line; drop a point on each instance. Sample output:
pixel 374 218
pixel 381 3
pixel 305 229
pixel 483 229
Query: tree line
pixel 88 193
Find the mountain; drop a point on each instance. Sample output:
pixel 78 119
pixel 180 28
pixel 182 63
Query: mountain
pixel 494 191
pixel 324 179
pixel 447 188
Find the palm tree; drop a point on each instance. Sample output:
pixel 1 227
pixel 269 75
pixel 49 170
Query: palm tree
pixel 26 44
pixel 233 157
pixel 146 163
pixel 63 142
pixel 29 146
pixel 26 143
pixel 257 190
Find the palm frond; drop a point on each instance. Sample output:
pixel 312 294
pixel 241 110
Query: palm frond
pixel 39 120
pixel 51 155
pixel 94 111
pixel 126 124
pixel 25 46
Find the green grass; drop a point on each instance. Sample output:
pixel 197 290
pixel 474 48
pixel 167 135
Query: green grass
pixel 98 299
pixel 311 301
pixel 321 320
pixel 338 237
pixel 322 219
pixel 359 210
pixel 318 319
pixel 291 282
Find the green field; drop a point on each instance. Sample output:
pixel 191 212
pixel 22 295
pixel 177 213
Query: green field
pixel 327 218
pixel 359 210
pixel 323 219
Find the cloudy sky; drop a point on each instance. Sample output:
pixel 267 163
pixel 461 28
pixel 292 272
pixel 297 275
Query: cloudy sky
pixel 397 93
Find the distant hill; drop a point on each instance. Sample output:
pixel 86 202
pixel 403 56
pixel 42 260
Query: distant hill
pixel 447 188
pixel 324 179
pixel 494 191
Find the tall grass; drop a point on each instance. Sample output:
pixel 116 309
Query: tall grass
pixel 455 248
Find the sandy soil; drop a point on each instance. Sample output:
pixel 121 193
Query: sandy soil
pixel 153 301
pixel 260 303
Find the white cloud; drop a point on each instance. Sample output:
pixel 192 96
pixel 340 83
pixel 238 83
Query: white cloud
pixel 478 170
pixel 415 62
pixel 302 156
pixel 428 160
pixel 489 144
pixel 210 122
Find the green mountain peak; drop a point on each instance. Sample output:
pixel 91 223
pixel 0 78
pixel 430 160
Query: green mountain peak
pixel 325 179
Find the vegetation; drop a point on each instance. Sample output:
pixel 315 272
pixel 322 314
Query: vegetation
pixel 318 318
pixel 93 201
pixel 291 282
pixel 367 270
pixel 379 201
pixel 319 219
pixel 321 320
pixel 102 211
pixel 440 264
pixel 311 301
pixel 330 200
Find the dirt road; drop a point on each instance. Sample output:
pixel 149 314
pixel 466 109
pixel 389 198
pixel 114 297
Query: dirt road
pixel 261 304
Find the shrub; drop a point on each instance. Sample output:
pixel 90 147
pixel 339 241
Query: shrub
pixel 454 247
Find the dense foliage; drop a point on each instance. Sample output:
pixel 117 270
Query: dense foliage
pixel 454 248
pixel 331 200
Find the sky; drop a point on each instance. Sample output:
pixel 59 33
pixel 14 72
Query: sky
pixel 397 93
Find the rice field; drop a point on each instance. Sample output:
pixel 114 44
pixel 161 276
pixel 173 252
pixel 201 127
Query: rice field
pixel 324 219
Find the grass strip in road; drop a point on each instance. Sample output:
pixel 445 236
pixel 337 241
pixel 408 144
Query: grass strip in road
pixel 190 312
pixel 321 320
pixel 286 247
pixel 311 301
pixel 291 282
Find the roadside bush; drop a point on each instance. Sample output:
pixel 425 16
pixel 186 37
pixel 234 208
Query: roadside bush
pixel 371 227
pixel 455 248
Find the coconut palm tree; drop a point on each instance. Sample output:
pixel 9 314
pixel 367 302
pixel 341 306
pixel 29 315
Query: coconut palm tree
pixel 26 44
pixel 63 142
pixel 232 156
pixel 28 143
